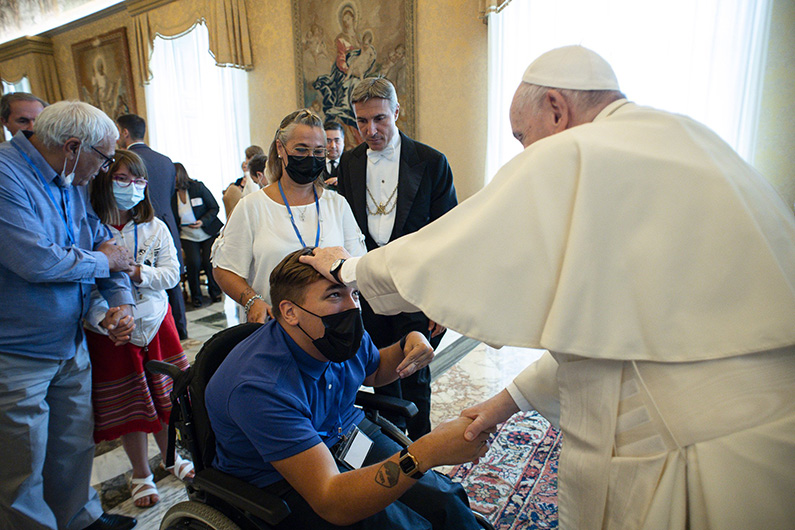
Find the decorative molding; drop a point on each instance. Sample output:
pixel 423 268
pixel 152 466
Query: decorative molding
pixel 137 7
pixel 88 19
pixel 25 45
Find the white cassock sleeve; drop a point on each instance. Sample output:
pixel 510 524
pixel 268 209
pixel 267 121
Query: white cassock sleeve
pixel 640 236
pixel 536 388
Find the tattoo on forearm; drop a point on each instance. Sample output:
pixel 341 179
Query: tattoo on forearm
pixel 245 295
pixel 388 474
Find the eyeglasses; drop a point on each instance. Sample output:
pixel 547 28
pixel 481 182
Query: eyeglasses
pixel 125 182
pixel 302 152
pixel 108 160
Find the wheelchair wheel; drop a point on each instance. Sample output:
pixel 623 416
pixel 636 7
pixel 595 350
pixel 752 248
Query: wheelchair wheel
pixel 191 515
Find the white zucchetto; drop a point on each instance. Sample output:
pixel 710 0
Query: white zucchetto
pixel 571 67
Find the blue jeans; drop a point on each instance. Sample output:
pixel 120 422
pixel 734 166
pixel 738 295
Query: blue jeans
pixel 46 436
pixel 434 502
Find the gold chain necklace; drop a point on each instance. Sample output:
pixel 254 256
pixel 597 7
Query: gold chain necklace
pixel 381 207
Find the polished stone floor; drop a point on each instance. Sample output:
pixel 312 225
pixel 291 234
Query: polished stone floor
pixel 464 372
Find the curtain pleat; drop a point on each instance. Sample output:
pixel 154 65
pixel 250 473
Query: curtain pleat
pixel 487 7
pixel 226 21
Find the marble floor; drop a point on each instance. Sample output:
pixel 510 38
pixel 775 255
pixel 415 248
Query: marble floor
pixel 465 372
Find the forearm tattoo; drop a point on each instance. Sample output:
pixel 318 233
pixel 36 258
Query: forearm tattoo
pixel 388 474
pixel 245 295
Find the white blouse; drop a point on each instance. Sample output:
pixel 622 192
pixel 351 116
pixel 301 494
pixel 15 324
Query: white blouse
pixel 259 234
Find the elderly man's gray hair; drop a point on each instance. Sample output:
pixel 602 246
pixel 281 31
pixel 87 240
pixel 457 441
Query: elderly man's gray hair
pixel 375 87
pixel 74 119
pixel 580 100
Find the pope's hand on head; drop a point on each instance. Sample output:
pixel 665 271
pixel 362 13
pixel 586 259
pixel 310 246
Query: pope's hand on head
pixel 323 258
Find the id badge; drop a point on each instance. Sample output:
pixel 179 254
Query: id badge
pixel 354 449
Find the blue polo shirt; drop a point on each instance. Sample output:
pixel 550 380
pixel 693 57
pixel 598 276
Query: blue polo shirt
pixel 270 400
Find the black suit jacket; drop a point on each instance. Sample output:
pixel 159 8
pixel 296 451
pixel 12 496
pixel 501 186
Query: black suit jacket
pixel 162 179
pixel 206 212
pixel 425 187
pixel 425 193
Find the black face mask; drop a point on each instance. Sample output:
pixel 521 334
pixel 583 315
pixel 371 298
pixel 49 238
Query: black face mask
pixel 304 170
pixel 343 336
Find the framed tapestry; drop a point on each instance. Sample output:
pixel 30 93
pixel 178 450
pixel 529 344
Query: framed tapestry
pixel 340 42
pixel 104 76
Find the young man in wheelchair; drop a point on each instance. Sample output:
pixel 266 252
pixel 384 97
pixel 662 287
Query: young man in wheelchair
pixel 281 407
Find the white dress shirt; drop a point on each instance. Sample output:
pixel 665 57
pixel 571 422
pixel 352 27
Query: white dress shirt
pixel 382 180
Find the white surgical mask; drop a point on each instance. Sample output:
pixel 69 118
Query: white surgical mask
pixel 67 179
pixel 127 196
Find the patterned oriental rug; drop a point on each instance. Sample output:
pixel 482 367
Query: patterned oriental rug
pixel 516 485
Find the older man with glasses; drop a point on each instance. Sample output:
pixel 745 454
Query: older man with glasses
pixel 52 250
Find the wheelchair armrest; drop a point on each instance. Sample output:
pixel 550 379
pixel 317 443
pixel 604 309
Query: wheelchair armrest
pixel 160 367
pixel 389 404
pixel 242 495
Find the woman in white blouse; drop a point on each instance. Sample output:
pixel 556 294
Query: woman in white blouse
pixel 293 212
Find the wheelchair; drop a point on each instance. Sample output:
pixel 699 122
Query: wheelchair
pixel 217 500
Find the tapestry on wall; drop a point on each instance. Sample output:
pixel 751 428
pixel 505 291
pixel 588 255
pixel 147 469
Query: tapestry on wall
pixel 340 42
pixel 104 76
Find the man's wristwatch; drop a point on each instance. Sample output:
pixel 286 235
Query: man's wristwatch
pixel 409 465
pixel 336 267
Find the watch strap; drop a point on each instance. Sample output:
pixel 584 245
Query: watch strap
pixel 336 268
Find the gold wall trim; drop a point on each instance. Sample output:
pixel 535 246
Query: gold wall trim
pixel 23 46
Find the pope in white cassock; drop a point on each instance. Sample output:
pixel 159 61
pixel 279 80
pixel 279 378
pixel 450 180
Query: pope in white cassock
pixel 658 270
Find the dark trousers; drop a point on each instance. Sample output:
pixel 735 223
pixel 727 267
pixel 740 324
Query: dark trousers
pixel 177 302
pixel 197 258
pixel 434 502
pixel 385 331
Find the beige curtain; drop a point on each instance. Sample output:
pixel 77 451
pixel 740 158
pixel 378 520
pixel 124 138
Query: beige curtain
pixel 31 57
pixel 226 20
pixel 490 6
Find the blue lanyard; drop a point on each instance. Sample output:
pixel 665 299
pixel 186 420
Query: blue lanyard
pixel 292 220
pixel 64 196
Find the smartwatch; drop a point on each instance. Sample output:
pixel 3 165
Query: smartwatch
pixel 409 465
pixel 336 268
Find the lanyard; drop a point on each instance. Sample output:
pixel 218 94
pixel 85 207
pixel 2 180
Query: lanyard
pixel 64 196
pixel 292 220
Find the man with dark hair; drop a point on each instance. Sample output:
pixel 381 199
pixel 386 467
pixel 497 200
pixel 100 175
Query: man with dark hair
pixel 257 171
pixel 18 111
pixel 162 184
pixel 282 409
pixel 395 186
pixel 335 145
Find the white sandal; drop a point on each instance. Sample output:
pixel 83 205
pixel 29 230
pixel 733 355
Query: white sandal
pixel 144 487
pixel 181 468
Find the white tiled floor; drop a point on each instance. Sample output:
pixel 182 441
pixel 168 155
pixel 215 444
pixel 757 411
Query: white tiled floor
pixel 481 374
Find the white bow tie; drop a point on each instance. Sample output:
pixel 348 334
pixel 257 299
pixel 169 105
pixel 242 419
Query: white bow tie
pixel 387 153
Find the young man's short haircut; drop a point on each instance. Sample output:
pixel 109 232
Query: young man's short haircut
pixel 334 126
pixel 254 150
pixel 134 124
pixel 257 164
pixel 290 278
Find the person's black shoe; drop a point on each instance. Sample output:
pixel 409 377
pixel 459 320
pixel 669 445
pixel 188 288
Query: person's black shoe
pixel 110 521
pixel 197 302
pixel 217 298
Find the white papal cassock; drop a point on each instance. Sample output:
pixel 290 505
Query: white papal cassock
pixel 658 268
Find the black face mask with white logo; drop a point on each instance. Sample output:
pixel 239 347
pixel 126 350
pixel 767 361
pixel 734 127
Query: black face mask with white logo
pixel 304 170
pixel 343 335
